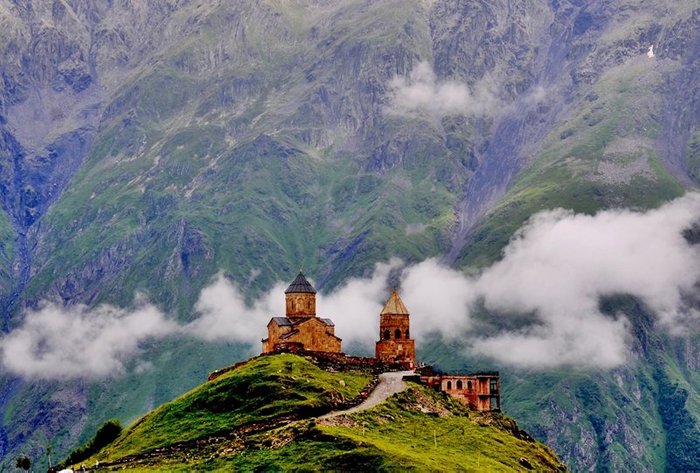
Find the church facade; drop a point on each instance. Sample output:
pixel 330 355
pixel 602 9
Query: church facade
pixel 301 329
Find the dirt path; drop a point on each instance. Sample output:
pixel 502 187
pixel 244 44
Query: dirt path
pixel 389 383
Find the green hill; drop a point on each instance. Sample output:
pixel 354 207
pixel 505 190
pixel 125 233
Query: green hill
pixel 263 416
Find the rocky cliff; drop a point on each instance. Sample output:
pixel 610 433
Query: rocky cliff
pixel 145 146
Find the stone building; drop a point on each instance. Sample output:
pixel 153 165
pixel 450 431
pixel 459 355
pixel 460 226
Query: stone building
pixel 480 391
pixel 300 328
pixel 395 344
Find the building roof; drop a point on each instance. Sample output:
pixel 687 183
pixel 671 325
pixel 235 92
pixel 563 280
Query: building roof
pixel 282 321
pixel 300 284
pixel 394 305
pixel 328 322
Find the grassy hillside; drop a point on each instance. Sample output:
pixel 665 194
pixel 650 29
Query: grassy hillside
pixel 261 416
pixel 267 388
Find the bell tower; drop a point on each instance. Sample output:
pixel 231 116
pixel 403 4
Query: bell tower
pixel 395 344
pixel 300 298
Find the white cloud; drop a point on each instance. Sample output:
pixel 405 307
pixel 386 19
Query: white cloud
pixel 61 343
pixel 354 307
pixel 557 268
pixel 554 271
pixel 438 298
pixel 422 92
pixel 225 316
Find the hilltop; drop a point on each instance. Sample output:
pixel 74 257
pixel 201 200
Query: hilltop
pixel 147 146
pixel 268 414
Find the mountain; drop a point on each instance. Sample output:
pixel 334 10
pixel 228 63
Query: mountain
pixel 264 415
pixel 146 146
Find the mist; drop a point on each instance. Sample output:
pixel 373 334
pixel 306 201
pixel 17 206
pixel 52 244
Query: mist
pixel 422 92
pixel 57 342
pixel 550 279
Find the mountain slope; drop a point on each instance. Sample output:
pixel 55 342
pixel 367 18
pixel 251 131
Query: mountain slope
pixel 145 146
pixel 262 415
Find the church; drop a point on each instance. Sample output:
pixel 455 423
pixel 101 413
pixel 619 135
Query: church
pixel 395 344
pixel 301 328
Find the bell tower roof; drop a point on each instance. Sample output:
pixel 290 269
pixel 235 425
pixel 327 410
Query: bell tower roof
pixel 394 305
pixel 300 285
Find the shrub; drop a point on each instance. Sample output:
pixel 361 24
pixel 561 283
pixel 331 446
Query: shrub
pixel 107 433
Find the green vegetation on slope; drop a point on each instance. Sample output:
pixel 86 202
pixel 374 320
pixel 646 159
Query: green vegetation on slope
pixel 604 156
pixel 267 388
pixel 105 435
pixel 7 252
pixel 428 431
pixel 417 429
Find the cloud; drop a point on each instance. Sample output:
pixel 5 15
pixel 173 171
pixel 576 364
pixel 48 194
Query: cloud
pixel 557 268
pixel 223 314
pixel 354 307
pixel 422 92
pixel 542 300
pixel 55 342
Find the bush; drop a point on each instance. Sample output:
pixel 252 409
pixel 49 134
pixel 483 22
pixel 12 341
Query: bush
pixel 107 433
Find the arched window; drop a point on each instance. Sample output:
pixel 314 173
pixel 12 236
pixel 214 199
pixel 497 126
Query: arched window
pixel 407 337
pixel 459 384
pixel 449 385
pixel 387 334
pixel 469 385
pixel 397 334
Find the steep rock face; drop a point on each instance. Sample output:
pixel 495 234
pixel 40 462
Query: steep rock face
pixel 144 146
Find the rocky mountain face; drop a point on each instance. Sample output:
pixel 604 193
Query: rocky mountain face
pixel 145 146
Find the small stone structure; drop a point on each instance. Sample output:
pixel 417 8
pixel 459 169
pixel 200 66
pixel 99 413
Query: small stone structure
pixel 395 344
pixel 480 391
pixel 301 328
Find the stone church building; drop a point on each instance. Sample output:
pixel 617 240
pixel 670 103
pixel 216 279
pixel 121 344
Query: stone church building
pixel 395 344
pixel 301 329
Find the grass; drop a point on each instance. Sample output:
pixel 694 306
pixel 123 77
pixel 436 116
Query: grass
pixel 417 429
pixel 267 388
pixel 447 440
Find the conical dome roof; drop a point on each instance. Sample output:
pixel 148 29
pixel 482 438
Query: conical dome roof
pixel 394 305
pixel 300 284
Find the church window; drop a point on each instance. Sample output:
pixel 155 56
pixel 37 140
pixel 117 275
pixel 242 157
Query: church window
pixel 407 337
pixel 449 385
pixel 387 334
pixel 469 385
pixel 459 384
pixel 397 334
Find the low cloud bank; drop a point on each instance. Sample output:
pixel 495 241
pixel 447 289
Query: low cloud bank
pixel 550 280
pixel 78 342
pixel 225 316
pixel 422 92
